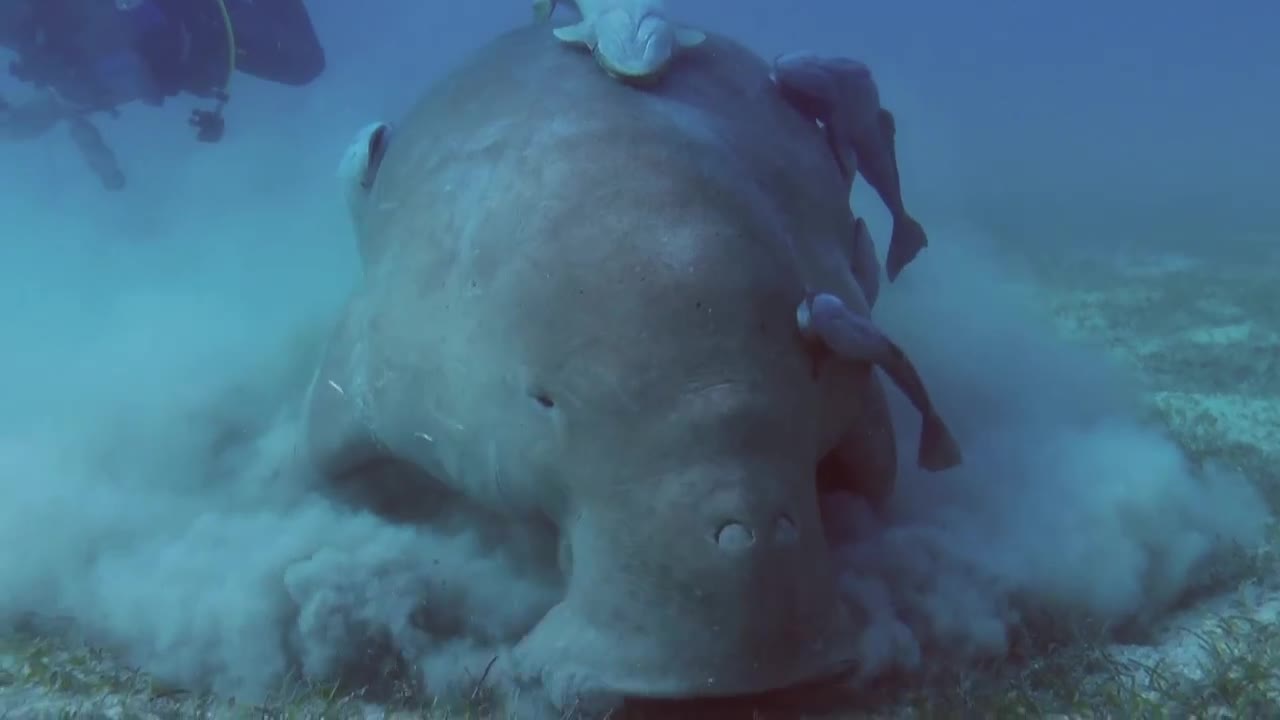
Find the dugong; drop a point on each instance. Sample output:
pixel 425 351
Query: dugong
pixel 633 40
pixel 577 307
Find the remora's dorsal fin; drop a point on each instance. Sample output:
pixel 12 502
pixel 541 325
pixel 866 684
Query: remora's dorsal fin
pixel 582 33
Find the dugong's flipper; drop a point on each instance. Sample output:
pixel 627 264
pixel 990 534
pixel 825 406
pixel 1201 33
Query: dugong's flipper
pixel 826 318
pixel 340 447
pixel 866 266
pixel 338 435
pixel 865 461
pixel 359 165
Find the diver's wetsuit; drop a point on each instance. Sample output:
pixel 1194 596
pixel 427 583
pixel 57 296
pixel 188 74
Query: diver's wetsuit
pixel 97 57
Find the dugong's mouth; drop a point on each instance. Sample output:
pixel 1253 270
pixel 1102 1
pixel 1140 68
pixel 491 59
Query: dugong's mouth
pixel 582 665
pixel 708 614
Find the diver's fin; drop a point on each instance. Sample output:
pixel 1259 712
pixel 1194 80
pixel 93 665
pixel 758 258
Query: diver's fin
pixel 97 155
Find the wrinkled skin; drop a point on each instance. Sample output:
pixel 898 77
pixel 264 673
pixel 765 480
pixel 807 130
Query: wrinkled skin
pixel 578 306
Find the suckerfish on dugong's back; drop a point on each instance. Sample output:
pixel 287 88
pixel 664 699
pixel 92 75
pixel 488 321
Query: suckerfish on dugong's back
pixel 631 39
pixel 851 336
pixel 841 94
pixel 577 313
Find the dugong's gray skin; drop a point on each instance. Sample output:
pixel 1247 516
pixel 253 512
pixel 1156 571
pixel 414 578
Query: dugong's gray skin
pixel 578 305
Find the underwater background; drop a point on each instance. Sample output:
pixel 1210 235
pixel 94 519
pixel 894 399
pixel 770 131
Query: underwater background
pixel 1097 313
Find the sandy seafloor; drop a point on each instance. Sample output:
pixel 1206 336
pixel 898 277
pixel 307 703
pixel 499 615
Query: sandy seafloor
pixel 1201 330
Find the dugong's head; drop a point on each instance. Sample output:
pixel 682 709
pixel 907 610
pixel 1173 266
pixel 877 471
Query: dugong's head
pixel 650 395
pixel 578 306
pixel 670 418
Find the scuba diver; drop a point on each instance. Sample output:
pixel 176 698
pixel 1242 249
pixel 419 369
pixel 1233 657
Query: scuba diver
pixel 88 56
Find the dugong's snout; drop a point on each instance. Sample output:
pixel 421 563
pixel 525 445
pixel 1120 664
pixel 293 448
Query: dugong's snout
pixel 713 583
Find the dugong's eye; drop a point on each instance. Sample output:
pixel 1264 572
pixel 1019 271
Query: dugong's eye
pixel 542 398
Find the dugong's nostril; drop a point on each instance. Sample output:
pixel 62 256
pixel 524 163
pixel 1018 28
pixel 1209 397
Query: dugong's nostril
pixel 785 530
pixel 734 536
